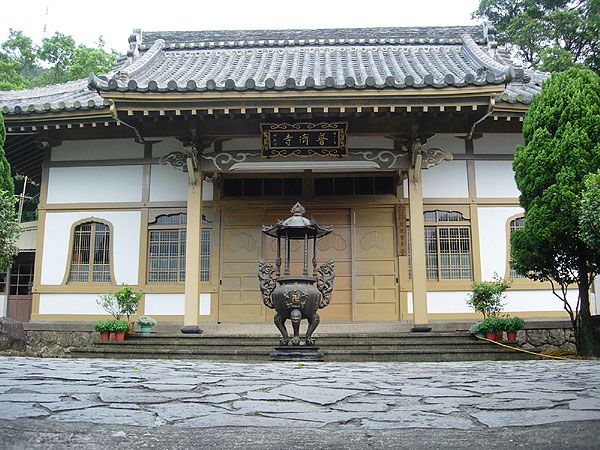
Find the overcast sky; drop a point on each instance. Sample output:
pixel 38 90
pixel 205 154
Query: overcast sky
pixel 115 20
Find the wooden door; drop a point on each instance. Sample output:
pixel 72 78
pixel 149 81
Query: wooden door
pixel 376 265
pixel 337 245
pixel 241 248
pixel 19 288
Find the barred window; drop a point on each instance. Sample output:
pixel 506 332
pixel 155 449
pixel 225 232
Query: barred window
pixel 90 260
pixel 514 225
pixel 166 255
pixel 447 246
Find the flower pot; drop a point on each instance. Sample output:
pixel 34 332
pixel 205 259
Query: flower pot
pixel 499 336
pixel 511 336
pixel 131 325
pixel 120 336
pixel 104 335
pixel 146 330
pixel 491 335
pixel 112 336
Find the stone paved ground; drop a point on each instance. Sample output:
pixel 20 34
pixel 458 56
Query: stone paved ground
pixel 92 403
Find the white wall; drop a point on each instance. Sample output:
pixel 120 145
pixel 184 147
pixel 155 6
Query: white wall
pixel 172 304
pixel 448 142
pixel 3 305
pixel 492 239
pixel 97 150
pixel 515 301
pixel 446 180
pixel 495 179
pixel 95 184
pixel 168 184
pixel 70 304
pixel 126 244
pixel 497 143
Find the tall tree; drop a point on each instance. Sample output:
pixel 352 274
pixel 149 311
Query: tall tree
pixel 550 35
pixel 57 60
pixel 589 220
pixel 6 181
pixel 561 134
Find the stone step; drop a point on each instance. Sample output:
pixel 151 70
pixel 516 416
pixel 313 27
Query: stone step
pixel 331 355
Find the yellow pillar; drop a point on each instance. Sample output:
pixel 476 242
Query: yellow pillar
pixel 417 247
pixel 192 256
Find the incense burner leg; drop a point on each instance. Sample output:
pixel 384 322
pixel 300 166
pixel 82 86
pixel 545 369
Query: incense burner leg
pixel 280 324
pixel 296 317
pixel 313 323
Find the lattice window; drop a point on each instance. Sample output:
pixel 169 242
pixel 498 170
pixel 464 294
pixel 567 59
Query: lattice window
pixel 90 261
pixel 514 225
pixel 447 247
pixel 166 255
pixel 3 281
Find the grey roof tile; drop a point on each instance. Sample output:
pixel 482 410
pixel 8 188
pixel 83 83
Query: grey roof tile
pixel 383 58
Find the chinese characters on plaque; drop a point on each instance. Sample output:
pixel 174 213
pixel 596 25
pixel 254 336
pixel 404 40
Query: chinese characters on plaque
pixel 327 139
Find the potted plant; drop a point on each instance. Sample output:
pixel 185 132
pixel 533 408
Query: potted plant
pixel 487 296
pixel 511 326
pixel 103 327
pixel 127 301
pixel 490 327
pixel 146 323
pixel 118 329
pixel 476 329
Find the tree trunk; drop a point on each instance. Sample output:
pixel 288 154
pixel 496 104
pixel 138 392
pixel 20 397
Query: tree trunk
pixel 587 345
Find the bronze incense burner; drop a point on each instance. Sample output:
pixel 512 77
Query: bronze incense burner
pixel 296 297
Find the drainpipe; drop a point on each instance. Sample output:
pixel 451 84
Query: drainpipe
pixel 490 110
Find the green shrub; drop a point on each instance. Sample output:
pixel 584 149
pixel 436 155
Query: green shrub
pixel 513 323
pixel 123 302
pixel 102 326
pixel 118 326
pixel 486 297
pixel 476 329
pixel 491 324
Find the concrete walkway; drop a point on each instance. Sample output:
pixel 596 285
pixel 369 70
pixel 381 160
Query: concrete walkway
pixel 57 403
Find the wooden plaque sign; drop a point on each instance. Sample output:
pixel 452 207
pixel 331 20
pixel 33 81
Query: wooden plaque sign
pixel 401 237
pixel 325 139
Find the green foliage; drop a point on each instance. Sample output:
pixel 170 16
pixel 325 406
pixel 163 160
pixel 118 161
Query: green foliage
pixel 102 326
pixel 491 324
pixel 146 321
pixel 108 302
pixel 123 302
pixel 512 323
pixel 58 59
pixel 589 219
pixel 547 34
pixel 561 133
pixel 487 296
pixel 127 300
pixel 9 229
pixel 6 182
pixel 118 326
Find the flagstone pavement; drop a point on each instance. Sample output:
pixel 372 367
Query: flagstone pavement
pixel 314 400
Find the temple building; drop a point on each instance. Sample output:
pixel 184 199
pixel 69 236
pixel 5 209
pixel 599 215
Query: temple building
pixel 160 173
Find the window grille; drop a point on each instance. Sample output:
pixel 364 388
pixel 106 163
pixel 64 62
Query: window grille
pixel 21 275
pixel 166 250
pixel 91 253
pixel 515 224
pixel 447 247
pixel 354 186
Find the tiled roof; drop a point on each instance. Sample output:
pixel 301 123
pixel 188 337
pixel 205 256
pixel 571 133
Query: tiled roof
pixel 289 60
pixel 73 95
pixel 279 38
pixel 320 59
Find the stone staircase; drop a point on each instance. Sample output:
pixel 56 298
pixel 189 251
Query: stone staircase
pixel 397 347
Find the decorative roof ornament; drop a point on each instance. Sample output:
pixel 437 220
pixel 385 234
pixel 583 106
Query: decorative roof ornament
pixel 298 209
